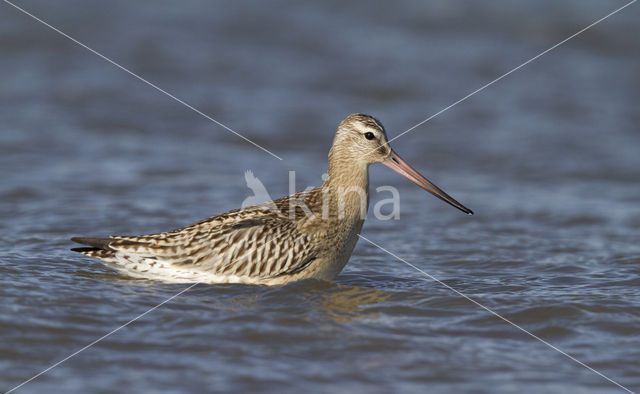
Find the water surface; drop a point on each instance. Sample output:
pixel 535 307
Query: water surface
pixel 547 158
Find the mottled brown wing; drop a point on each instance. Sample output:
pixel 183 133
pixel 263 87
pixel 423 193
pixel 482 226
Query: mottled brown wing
pixel 263 246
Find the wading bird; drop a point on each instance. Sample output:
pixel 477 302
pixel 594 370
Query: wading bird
pixel 309 234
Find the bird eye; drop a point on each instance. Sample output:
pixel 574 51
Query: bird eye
pixel 369 135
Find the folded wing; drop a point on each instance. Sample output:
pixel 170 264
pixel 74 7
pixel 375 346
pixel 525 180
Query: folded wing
pixel 259 246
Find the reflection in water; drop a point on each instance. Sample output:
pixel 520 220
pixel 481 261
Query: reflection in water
pixel 312 300
pixel 345 303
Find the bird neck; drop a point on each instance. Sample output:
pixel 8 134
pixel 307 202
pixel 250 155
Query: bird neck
pixel 347 186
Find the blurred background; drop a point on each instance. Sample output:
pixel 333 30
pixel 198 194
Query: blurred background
pixel 548 158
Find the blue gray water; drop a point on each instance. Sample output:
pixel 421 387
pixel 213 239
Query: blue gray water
pixel 548 158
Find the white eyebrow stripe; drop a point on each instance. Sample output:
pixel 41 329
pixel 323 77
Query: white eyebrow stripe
pixel 364 129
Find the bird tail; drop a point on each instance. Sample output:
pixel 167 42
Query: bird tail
pixel 97 247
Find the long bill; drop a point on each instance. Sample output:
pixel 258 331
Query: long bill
pixel 403 168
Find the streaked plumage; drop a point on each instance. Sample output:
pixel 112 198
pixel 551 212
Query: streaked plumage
pixel 271 243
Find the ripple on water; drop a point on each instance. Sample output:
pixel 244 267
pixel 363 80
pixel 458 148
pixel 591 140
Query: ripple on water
pixel 548 160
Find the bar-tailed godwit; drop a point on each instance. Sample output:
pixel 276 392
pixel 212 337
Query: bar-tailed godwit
pixel 309 234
